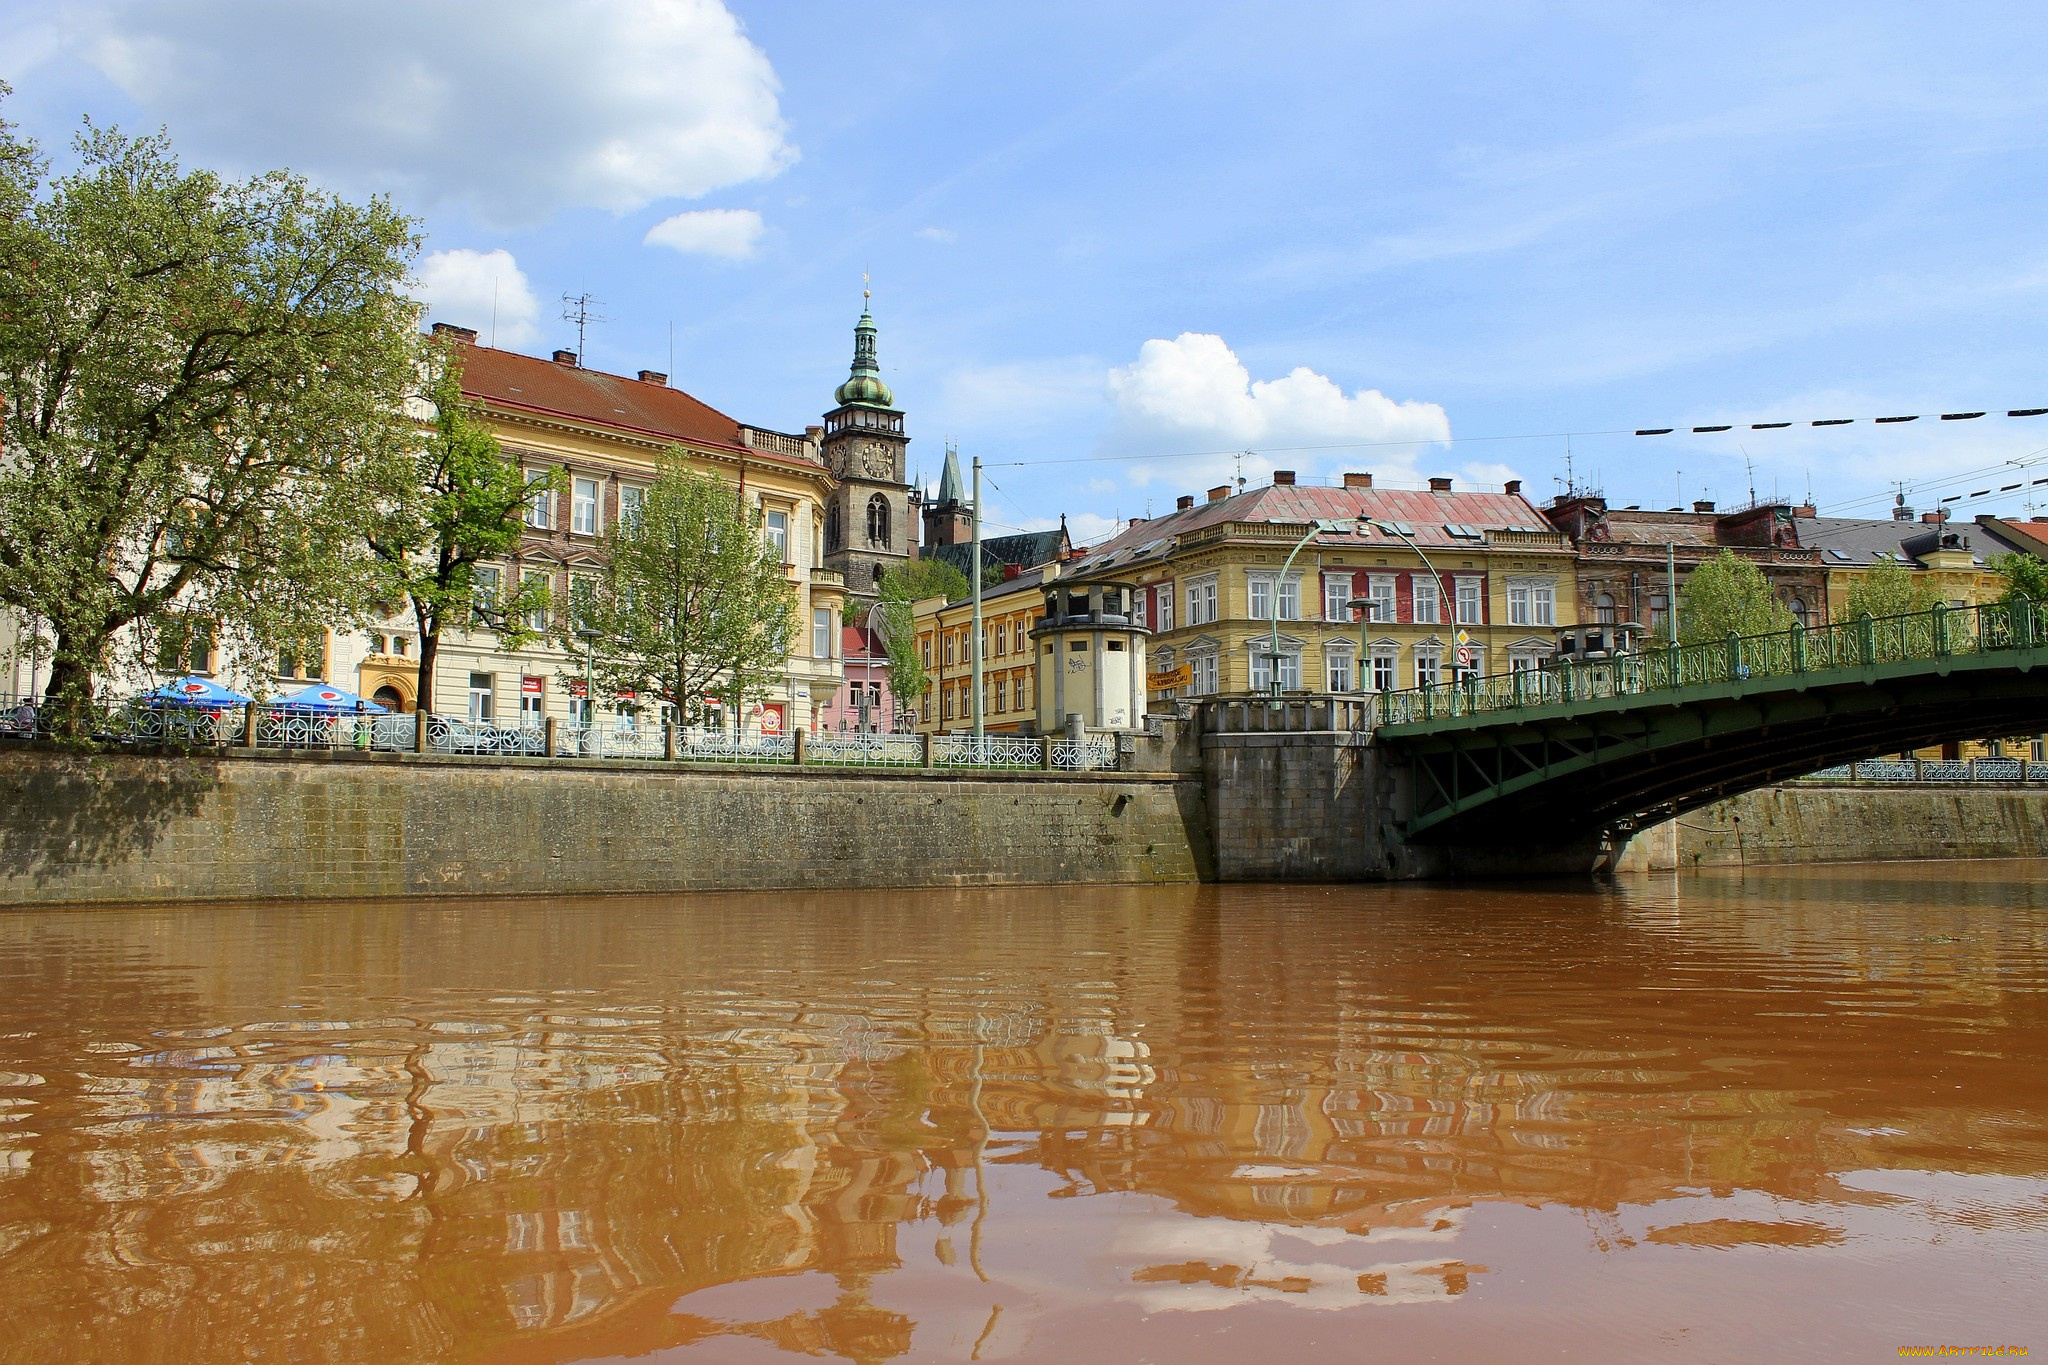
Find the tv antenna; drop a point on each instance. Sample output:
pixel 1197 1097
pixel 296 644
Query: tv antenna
pixel 1240 468
pixel 581 309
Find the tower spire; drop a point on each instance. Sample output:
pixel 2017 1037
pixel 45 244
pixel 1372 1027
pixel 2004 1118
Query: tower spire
pixel 864 384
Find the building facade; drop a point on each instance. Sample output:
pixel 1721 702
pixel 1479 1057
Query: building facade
pixel 945 633
pixel 1627 556
pixel 605 433
pixel 1445 581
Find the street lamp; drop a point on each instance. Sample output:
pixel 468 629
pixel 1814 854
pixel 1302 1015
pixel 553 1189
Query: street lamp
pixel 1363 606
pixel 589 637
pixel 1322 526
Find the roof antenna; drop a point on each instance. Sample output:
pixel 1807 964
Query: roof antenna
pixel 494 312
pixel 1749 465
pixel 1240 468
pixel 581 309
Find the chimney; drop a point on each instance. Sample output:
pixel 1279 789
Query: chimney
pixel 1358 480
pixel 1805 509
pixel 1513 488
pixel 1219 492
pixel 454 333
pixel 654 377
pixel 1184 502
pixel 1010 571
pixel 1703 505
pixel 1439 485
pixel 1283 478
pixel 566 358
pixel 1136 520
pixel 1933 518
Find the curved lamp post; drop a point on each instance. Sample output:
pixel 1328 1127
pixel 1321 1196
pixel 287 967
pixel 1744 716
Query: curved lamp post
pixel 1323 526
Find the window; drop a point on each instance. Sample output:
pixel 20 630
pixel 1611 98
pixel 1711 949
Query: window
pixel 878 521
pixel 306 659
pixel 1140 600
pixel 821 632
pixel 1470 610
pixel 1002 694
pixel 1379 591
pixel 540 506
pixel 1262 668
pixel 583 506
pixel 1603 608
pixel 1427 599
pixel 485 586
pixel 951 700
pixel 533 702
pixel 1202 602
pixel 1263 590
pixel 1163 601
pixel 1336 592
pixel 833 534
pixel 952 648
pixel 1533 602
pixel 1202 673
pixel 1290 599
pixel 632 507
pixel 1526 661
pixel 1659 611
pixel 924 650
pixel 582 597
pixel 1383 660
pixel 185 647
pixel 1798 605
pixel 480 697
pixel 536 582
pixel 775 524
pixel 1262 599
pixel 1429 666
pixel 1337 670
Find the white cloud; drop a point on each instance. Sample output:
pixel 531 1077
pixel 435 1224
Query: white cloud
pixel 513 112
pixel 1194 394
pixel 943 236
pixel 482 289
pixel 733 234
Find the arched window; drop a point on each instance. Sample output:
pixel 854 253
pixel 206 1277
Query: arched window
pixel 878 521
pixel 1603 607
pixel 832 530
pixel 1798 605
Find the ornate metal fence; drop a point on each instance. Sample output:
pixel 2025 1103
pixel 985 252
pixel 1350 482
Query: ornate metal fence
pixel 990 751
pixel 1097 751
pixel 1941 632
pixel 865 751
pixel 1992 770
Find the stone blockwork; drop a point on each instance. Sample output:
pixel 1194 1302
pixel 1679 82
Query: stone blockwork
pixel 260 827
pixel 1843 822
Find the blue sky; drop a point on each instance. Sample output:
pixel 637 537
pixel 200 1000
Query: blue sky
pixel 1112 244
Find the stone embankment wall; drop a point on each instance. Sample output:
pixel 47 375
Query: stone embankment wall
pixel 1832 823
pixel 258 827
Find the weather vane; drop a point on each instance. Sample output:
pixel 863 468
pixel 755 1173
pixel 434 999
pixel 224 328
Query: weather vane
pixel 865 292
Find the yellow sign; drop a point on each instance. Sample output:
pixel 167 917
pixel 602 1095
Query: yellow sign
pixel 1171 678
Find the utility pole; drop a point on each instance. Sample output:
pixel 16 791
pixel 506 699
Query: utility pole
pixel 974 574
pixel 1671 585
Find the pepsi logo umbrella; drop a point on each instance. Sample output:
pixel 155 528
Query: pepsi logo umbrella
pixel 326 699
pixel 200 693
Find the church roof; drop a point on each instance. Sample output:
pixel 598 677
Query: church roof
pixel 949 480
pixel 1026 550
pixel 864 386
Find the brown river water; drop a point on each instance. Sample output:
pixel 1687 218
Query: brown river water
pixel 1787 1116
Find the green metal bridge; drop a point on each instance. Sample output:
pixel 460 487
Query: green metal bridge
pixel 1609 746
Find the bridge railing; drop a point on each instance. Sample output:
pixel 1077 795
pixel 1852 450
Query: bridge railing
pixel 1939 632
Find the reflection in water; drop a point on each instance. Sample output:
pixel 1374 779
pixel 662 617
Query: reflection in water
pixel 1071 1124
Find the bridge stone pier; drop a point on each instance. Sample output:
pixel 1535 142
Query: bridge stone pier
pixel 1300 792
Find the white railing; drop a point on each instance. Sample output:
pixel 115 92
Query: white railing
pixel 454 735
pixel 718 746
pixel 284 728
pixel 612 741
pixel 865 751
pixel 1084 755
pixel 990 751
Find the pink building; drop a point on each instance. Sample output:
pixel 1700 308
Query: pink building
pixel 864 703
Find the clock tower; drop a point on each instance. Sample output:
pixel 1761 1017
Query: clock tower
pixel 868 525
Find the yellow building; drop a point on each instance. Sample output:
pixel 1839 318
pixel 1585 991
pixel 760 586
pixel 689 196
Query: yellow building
pixel 605 433
pixel 945 634
pixel 1451 581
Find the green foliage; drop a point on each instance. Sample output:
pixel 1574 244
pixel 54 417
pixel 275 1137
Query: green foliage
pixel 922 578
pixel 204 383
pixel 1891 588
pixel 693 601
pixel 434 547
pixel 2024 575
pixel 1728 595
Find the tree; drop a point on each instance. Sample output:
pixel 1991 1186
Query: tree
pixel 1728 595
pixel 902 590
pixel 203 385
pixel 693 600
pixel 465 509
pixel 2024 575
pixel 1890 588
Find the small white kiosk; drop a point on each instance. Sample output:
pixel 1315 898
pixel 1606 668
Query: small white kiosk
pixel 1091 658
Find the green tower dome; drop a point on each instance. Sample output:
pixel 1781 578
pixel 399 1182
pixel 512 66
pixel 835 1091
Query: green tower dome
pixel 864 386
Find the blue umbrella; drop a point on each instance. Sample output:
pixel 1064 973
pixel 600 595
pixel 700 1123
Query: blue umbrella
pixel 325 699
pixel 198 693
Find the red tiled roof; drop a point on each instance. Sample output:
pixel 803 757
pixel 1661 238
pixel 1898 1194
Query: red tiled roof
pixel 1425 512
pixel 507 379
pixel 2030 537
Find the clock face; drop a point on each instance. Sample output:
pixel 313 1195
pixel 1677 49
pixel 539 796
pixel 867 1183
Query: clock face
pixel 876 461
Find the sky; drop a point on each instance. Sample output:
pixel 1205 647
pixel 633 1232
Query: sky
pixel 1127 252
